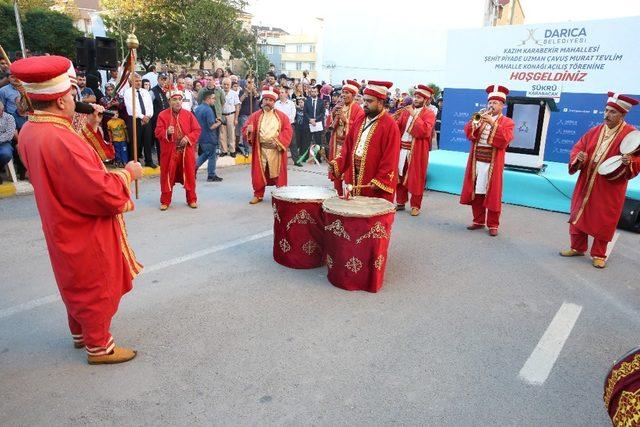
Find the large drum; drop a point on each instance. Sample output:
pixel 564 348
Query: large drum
pixel 622 390
pixel 612 168
pixel 298 226
pixel 357 233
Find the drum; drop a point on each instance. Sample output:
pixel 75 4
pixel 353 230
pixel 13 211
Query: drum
pixel 622 390
pixel 298 226
pixel 612 167
pixel 356 239
pixel 630 143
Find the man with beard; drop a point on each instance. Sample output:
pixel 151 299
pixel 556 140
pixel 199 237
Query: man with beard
pixel 342 117
pixel 178 131
pixel 369 156
pixel 597 199
pixel 269 133
pixel 415 123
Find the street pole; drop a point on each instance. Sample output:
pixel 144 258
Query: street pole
pixel 16 10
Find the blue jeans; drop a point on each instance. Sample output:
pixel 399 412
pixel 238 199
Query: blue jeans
pixel 121 151
pixel 6 153
pixel 244 145
pixel 210 153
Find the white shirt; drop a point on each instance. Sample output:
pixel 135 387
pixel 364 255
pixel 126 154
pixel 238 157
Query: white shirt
pixel 187 102
pixel 288 107
pixel 152 77
pixel 406 136
pixel 231 100
pixel 364 136
pixel 482 168
pixel 146 100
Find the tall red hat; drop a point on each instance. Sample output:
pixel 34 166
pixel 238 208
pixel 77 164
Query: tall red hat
pixel 175 92
pixel 379 89
pixel 351 86
pixel 497 92
pixel 622 103
pixel 44 78
pixel 425 91
pixel 270 92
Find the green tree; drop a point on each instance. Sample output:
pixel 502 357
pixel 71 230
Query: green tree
pixel 211 26
pixel 436 90
pixel 51 32
pixel 8 31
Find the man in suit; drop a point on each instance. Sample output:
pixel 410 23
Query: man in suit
pixel 160 102
pixel 144 113
pixel 313 120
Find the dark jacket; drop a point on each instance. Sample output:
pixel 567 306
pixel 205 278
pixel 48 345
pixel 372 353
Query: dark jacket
pixel 309 113
pixel 160 101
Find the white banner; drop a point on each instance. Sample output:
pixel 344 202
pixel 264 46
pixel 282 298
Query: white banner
pixel 547 59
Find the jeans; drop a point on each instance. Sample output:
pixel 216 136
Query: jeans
pixel 243 145
pixel 210 153
pixel 6 153
pixel 121 151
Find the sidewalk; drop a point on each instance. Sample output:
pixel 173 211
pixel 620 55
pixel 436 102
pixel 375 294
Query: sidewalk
pixel 9 189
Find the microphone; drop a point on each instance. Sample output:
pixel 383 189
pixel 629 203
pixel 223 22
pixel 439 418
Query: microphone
pixel 86 108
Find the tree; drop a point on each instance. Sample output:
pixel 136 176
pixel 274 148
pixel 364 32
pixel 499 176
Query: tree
pixel 211 26
pixel 8 31
pixel 51 32
pixel 436 90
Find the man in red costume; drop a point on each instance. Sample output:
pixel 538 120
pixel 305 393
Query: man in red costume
pixel 415 123
pixel 81 206
pixel 178 131
pixel 269 132
pixel 490 137
pixel 341 119
pixel 369 157
pixel 597 199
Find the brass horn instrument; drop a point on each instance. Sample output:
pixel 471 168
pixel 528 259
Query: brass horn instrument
pixel 477 116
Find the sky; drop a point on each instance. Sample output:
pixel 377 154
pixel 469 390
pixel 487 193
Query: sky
pixel 409 41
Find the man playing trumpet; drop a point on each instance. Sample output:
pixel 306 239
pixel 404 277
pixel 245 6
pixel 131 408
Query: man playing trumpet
pixel 490 135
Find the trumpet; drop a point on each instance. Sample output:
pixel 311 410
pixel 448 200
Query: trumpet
pixel 477 116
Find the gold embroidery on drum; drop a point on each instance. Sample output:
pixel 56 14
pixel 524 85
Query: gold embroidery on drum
pixel 338 229
pixel 354 264
pixel 627 413
pixel 301 217
pixel 329 261
pixel 377 232
pixel 285 246
pixel 276 215
pixel 378 262
pixel 310 247
pixel 625 369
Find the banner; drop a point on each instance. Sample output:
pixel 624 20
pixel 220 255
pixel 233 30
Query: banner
pixel 576 63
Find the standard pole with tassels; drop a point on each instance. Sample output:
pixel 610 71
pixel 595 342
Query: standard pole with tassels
pixel 132 44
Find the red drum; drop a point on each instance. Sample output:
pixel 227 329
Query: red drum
pixel 622 390
pixel 612 168
pixel 356 239
pixel 298 226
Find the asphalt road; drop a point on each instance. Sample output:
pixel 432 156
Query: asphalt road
pixel 228 337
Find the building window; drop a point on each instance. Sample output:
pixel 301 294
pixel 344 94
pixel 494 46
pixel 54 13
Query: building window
pixel 269 50
pixel 291 48
pixel 298 66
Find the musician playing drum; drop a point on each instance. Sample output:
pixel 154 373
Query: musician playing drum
pixel 490 134
pixel 369 156
pixel 599 193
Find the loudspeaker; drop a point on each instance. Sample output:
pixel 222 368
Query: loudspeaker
pixel 106 53
pixel 85 53
pixel 630 218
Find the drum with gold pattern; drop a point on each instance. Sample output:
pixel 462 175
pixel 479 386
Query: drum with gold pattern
pixel 298 226
pixel 622 390
pixel 357 233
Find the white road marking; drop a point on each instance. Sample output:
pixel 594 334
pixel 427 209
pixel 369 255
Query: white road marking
pixel 612 243
pixel 538 366
pixel 29 305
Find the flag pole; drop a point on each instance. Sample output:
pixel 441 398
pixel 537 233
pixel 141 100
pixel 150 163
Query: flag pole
pixel 132 44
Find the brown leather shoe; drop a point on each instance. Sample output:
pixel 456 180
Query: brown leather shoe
pixel 493 232
pixel 255 200
pixel 193 205
pixel 570 252
pixel 599 263
pixel 164 207
pixel 475 227
pixel 415 211
pixel 119 355
pixel 399 207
